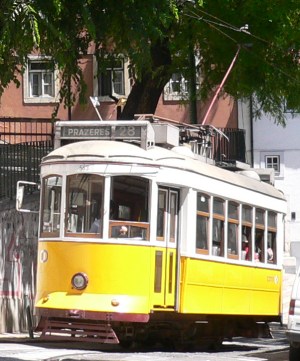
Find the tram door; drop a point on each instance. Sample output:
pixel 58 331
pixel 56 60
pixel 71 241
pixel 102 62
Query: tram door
pixel 165 253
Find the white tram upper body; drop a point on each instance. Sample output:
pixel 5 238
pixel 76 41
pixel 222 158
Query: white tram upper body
pixel 140 233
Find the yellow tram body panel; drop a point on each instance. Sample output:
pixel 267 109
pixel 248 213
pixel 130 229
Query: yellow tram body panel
pixel 119 274
pixel 122 279
pixel 224 288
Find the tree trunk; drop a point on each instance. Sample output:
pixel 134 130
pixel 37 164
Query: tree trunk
pixel 145 93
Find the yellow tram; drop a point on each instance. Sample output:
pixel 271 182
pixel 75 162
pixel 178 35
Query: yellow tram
pixel 141 239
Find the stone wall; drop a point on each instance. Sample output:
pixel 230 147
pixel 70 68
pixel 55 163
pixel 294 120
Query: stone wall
pixel 18 237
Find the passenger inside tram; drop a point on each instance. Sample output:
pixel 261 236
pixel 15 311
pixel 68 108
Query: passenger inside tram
pixel 245 248
pixel 258 248
pixel 270 254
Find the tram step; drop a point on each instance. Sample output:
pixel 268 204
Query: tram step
pixel 87 332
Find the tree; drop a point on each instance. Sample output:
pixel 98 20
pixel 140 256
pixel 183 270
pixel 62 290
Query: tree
pixel 19 34
pixel 158 37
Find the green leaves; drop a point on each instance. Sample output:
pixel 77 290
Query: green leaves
pixel 157 36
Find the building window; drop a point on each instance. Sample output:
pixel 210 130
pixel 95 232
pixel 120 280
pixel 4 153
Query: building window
pixel 177 88
pixel 111 80
pixel 273 161
pixel 40 80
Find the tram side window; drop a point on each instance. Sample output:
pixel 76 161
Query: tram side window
pixel 218 227
pixel 84 204
pixel 51 206
pixel 161 214
pixel 246 253
pixel 202 223
pixel 271 241
pixel 233 227
pixel 129 207
pixel 259 253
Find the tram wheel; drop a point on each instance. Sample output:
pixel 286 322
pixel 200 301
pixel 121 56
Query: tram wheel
pixel 294 354
pixel 126 344
pixel 216 344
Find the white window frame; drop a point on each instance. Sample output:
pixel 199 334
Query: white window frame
pixel 177 88
pixel 124 76
pixel 273 153
pixel 28 79
pixel 272 164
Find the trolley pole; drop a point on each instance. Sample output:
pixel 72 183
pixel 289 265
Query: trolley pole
pixel 221 86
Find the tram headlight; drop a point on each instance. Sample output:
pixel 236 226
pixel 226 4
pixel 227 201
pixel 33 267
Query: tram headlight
pixel 79 281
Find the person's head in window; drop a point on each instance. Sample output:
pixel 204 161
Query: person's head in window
pixel 123 232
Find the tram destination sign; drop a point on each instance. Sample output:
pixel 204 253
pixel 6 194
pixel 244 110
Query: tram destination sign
pixel 101 131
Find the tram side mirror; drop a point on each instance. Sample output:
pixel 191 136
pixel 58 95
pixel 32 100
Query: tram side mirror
pixel 24 188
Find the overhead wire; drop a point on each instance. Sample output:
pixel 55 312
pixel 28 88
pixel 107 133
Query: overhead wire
pixel 221 23
pixel 232 27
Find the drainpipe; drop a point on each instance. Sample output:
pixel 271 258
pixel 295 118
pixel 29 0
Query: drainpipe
pixel 251 130
pixel 69 100
pixel 192 88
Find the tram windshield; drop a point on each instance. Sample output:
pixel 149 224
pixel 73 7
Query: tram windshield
pixel 50 215
pixel 127 215
pixel 84 203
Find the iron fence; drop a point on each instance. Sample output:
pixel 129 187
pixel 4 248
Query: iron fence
pixel 231 149
pixel 23 143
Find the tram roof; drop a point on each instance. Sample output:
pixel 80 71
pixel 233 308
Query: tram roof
pixel 180 157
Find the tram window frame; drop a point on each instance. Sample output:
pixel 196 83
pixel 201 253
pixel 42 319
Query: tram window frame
pixel 259 251
pixel 233 227
pixel 52 202
pixel 218 226
pixel 247 232
pixel 271 237
pixel 88 208
pixel 173 199
pixel 202 223
pixel 129 207
pixel 161 214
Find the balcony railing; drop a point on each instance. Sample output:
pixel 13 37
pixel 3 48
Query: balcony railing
pixel 231 149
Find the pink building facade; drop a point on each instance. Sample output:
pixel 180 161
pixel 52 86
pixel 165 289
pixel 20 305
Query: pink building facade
pixel 38 96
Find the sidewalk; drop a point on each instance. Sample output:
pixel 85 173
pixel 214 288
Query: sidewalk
pixel 16 337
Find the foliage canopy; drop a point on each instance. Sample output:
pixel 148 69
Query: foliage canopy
pixel 158 36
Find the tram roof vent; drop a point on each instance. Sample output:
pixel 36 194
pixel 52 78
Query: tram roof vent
pixel 166 134
pixel 266 175
pixel 250 174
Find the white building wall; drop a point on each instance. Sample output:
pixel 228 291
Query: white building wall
pixel 272 139
pixel 264 137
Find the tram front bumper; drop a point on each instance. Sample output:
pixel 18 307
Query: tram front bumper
pixel 94 306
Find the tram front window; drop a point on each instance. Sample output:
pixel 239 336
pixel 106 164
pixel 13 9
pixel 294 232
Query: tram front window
pixel 51 206
pixel 84 204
